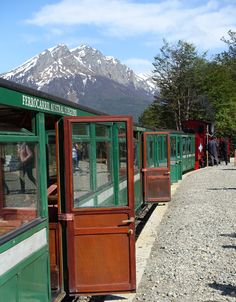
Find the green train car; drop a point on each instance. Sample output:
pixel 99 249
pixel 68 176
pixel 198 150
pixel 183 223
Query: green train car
pixel 71 182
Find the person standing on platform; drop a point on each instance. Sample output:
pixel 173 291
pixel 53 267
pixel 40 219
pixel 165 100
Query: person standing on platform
pixel 212 149
pixel 224 150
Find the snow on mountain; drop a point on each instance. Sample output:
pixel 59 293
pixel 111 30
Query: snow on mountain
pixel 84 75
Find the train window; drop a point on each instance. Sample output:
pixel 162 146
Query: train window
pixel 150 148
pixel 162 151
pixel 51 156
pixel 178 148
pixel 122 153
pixel 13 119
pixel 101 130
pixel 136 156
pixel 80 129
pixel 19 185
pixel 122 164
pixel 103 163
pixel 173 146
pixel 92 164
pixel 81 158
pixel 184 145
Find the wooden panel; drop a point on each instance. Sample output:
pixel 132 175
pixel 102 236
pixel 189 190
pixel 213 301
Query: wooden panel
pixel 100 220
pixel 23 214
pixel 105 261
pixel 100 247
pixel 157 187
pixel 54 255
pixel 156 179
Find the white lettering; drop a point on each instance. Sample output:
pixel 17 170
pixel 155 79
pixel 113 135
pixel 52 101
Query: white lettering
pixel 36 103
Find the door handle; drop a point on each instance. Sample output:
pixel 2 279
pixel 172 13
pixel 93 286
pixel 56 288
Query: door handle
pixel 130 232
pixel 167 173
pixel 128 220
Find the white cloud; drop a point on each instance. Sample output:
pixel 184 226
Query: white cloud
pixel 139 65
pixel 204 24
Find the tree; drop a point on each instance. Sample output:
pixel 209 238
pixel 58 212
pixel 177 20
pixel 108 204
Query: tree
pixel 191 87
pixel 177 73
pixel 221 90
pixel 225 98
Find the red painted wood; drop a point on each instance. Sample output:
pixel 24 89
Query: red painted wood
pixel 157 187
pixel 100 247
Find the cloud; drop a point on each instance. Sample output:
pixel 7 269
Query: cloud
pixel 139 65
pixel 204 23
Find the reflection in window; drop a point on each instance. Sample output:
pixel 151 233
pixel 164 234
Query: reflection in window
pixel 184 145
pixel 136 156
pixel 101 130
pixel 18 184
pixel 123 159
pixel 150 152
pixel 80 129
pixel 81 171
pixel 52 165
pixel 164 146
pixel 93 172
pixel 103 163
pixel 178 148
pixel 173 146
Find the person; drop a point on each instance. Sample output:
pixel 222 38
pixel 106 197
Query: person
pixel 75 157
pixel 212 149
pixel 27 164
pixel 224 150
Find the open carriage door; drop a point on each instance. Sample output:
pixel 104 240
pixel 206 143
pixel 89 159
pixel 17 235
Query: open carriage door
pixel 99 204
pixel 156 166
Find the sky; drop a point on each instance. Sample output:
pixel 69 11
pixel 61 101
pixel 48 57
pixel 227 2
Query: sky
pixel 130 30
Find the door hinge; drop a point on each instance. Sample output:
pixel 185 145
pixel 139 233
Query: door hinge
pixel 66 217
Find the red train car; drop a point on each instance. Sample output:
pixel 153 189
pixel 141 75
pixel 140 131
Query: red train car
pixel 200 128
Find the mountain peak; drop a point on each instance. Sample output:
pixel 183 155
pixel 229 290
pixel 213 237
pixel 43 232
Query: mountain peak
pixel 59 51
pixel 83 73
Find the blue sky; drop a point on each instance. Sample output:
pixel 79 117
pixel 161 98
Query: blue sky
pixel 130 30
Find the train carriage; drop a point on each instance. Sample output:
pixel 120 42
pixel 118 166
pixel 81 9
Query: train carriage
pixel 61 219
pixel 71 181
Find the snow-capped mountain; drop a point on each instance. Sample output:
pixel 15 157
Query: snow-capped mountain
pixel 84 75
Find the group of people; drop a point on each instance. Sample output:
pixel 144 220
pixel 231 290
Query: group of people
pixel 217 151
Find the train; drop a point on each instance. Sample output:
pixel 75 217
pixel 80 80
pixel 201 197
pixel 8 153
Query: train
pixel 72 182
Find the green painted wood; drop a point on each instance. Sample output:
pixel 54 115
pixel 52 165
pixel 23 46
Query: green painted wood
pixel 30 102
pixel 8 291
pixel 33 281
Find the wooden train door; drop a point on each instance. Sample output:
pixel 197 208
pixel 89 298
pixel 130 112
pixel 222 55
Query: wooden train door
pixel 156 166
pixel 99 204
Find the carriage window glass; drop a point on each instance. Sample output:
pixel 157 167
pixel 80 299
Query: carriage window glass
pixel 159 148
pixel 80 129
pixel 178 147
pixel 52 165
pixel 81 157
pixel 136 156
pixel 101 130
pixel 164 161
pixel 184 145
pixel 150 151
pixel 18 185
pixel 15 120
pixel 103 163
pixel 173 146
pixel 123 185
pixel 189 145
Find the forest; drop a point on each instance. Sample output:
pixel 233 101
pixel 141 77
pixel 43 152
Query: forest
pixel 192 86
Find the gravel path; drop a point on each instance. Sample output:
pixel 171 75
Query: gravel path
pixel 194 254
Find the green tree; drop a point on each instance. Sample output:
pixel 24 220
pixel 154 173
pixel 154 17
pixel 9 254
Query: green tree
pixel 220 88
pixel 177 73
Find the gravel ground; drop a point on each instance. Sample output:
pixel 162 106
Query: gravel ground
pixel 194 254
